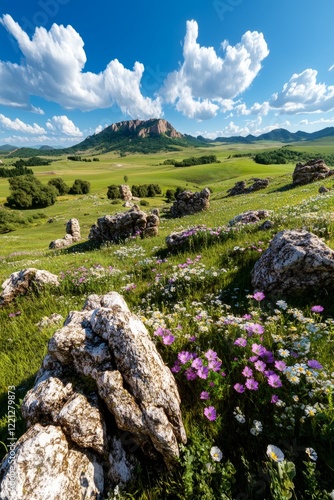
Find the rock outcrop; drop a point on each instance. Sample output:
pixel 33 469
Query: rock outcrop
pixel 20 282
pixel 118 227
pixel 323 190
pixel 152 127
pixel 188 203
pixel 101 380
pixel 126 193
pixel 296 261
pixel 249 217
pixel 242 188
pixel 72 235
pixel 177 239
pixel 313 170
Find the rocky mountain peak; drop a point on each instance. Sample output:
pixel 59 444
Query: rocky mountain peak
pixel 146 128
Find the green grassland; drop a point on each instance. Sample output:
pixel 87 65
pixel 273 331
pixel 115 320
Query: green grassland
pixel 228 263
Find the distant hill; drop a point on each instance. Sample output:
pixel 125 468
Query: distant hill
pixel 139 136
pixel 7 147
pixel 154 135
pixel 279 135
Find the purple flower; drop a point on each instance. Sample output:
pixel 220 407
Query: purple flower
pixel 239 388
pixel 259 296
pixel 203 372
pixel 274 399
pixel 260 366
pixel 280 365
pixel 176 368
pixel 267 356
pixel 168 339
pixel 247 372
pixel 190 374
pixel 247 316
pixel 210 413
pixel 197 363
pixel 241 342
pixel 313 363
pixel 254 328
pixel 184 357
pixel 257 349
pixel 211 355
pixel 159 332
pixel 269 372
pixel 252 359
pixel 251 384
pixel 192 339
pixel 317 309
pixel 215 365
pixel 204 395
pixel 274 380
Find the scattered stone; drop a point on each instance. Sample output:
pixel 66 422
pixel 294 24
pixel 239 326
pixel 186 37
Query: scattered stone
pixel 323 190
pixel 241 187
pixel 72 235
pixel 46 321
pixel 250 217
pixel 268 224
pixel 188 203
pixel 128 204
pixel 313 170
pixel 20 282
pixel 118 227
pixel 126 193
pixel 101 362
pixel 296 261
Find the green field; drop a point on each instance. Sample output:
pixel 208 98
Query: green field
pixel 226 292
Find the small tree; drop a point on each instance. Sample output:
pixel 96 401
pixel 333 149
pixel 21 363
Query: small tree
pixel 60 185
pixel 28 192
pixel 126 178
pixel 80 187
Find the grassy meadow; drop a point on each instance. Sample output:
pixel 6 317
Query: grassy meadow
pixel 197 303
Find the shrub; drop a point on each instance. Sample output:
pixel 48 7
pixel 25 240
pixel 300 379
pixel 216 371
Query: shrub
pixel 29 192
pixel 80 187
pixel 113 192
pixel 144 203
pixel 60 185
pixel 170 195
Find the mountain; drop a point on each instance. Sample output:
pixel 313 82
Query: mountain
pixel 142 136
pixel 280 135
pixel 45 148
pixel 7 147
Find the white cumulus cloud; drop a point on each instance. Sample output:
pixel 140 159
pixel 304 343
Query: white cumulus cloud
pixel 53 68
pixel 205 81
pixel 64 126
pixel 19 126
pixel 304 94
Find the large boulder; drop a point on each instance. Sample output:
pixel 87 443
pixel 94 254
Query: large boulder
pixel 44 465
pixel 296 261
pixel 118 227
pixel 313 170
pixel 126 193
pixel 20 282
pixel 72 235
pixel 241 187
pixel 188 203
pixel 102 394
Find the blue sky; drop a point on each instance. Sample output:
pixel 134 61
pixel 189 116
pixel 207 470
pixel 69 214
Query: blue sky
pixel 210 67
